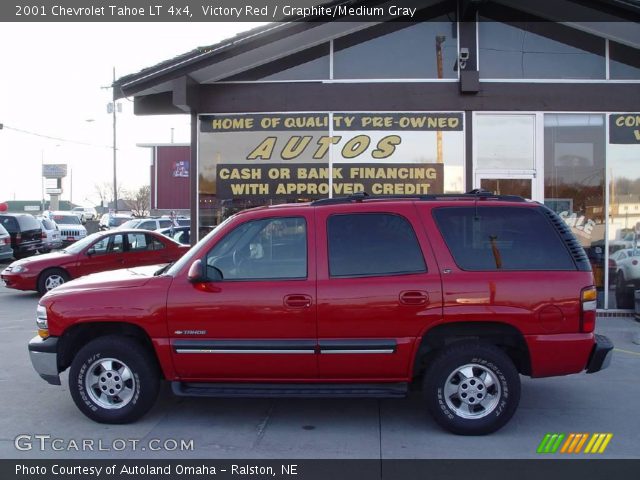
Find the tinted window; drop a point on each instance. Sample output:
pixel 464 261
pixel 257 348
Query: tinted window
pixel 502 238
pixel 272 248
pixel 27 222
pixel 538 50
pixel 9 223
pixel 624 62
pixel 372 244
pixel 398 50
pixel 164 223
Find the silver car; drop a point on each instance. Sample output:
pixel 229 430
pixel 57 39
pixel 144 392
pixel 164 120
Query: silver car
pixel 51 237
pixel 6 251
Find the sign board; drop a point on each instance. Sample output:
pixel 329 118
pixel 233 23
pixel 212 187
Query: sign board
pixel 32 208
pixel 624 128
pixel 53 191
pixel 288 156
pixel 54 170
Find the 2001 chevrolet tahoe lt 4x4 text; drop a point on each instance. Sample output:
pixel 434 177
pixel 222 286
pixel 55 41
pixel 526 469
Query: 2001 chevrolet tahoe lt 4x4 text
pixel 357 296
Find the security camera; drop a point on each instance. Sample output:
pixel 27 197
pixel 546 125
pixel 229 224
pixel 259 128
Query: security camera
pixel 464 54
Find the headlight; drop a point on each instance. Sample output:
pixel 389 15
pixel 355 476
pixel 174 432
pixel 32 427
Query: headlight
pixel 18 269
pixel 41 321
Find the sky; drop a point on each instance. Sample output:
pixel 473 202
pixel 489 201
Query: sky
pixel 52 79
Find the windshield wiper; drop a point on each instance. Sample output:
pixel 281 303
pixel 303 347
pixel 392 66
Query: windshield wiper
pixel 161 270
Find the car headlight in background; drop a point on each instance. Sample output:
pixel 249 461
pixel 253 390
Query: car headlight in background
pixel 41 321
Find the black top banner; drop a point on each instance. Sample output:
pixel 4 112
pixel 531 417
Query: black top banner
pixel 282 10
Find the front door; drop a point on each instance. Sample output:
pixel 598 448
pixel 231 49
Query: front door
pixel 255 319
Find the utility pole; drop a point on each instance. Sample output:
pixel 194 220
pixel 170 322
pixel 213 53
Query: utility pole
pixel 115 183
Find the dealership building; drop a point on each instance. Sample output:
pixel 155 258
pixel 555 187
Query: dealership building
pixel 539 99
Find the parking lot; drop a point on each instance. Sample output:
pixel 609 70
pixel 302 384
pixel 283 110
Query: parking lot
pixel 39 413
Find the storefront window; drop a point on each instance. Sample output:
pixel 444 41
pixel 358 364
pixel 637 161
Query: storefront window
pixel 504 142
pixel 623 155
pixel 574 170
pixel 624 62
pixel 399 50
pixel 538 50
pixel 262 159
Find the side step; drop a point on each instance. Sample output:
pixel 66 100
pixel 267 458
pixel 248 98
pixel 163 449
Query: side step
pixel 304 390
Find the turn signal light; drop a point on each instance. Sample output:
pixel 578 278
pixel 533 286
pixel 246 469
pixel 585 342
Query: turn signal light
pixel 588 300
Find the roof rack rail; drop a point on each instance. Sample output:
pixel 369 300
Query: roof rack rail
pixel 477 194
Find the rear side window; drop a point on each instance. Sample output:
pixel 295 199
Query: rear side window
pixel 48 224
pixel 10 224
pixel 372 244
pixel 502 238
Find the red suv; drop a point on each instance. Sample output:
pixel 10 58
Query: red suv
pixel 355 297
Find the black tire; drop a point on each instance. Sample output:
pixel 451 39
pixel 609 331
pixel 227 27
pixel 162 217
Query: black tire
pixel 488 370
pixel 136 395
pixel 44 250
pixel 51 278
pixel 624 294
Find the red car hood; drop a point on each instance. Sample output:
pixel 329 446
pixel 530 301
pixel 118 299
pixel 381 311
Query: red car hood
pixel 125 278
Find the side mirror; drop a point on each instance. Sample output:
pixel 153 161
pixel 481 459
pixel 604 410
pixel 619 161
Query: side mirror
pixel 91 251
pixel 196 272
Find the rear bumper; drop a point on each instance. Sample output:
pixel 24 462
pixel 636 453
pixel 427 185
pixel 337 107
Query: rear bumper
pixel 44 358
pixel 601 354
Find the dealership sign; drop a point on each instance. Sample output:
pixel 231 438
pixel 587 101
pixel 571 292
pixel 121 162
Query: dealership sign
pixel 291 155
pixel 51 170
pixel 624 128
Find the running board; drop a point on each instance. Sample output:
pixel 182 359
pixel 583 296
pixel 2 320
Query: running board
pixel 275 390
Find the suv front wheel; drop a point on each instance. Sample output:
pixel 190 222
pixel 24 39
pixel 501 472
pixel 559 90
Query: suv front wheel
pixel 113 380
pixel 472 388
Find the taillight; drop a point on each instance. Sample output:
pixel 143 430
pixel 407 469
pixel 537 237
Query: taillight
pixel 588 302
pixel 18 237
pixel 6 240
pixel 612 263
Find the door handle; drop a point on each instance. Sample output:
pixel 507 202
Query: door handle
pixel 414 297
pixel 297 301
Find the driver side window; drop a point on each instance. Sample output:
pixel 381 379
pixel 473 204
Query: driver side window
pixel 271 248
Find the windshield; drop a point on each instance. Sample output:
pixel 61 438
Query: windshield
pixel 80 245
pixel 66 219
pixel 186 258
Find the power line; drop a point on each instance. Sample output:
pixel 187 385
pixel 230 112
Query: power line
pixel 59 139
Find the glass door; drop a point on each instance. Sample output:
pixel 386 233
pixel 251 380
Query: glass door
pixel 508 154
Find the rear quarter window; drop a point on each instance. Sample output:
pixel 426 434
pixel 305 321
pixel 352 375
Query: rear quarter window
pixel 502 238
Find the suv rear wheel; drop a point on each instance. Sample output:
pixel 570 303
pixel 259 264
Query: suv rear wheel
pixel 113 380
pixel 472 388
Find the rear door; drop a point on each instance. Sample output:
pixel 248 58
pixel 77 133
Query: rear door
pixel 378 286
pixel 144 249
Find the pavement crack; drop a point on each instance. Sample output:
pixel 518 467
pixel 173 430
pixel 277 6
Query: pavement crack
pixel 262 426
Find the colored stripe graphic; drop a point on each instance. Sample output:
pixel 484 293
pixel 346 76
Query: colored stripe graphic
pixel 595 443
pixel 550 443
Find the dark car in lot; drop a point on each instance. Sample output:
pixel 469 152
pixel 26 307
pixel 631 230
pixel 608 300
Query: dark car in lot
pixel 101 251
pixel 25 231
pixel 5 244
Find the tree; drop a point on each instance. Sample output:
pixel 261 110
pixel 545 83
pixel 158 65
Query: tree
pixel 104 191
pixel 139 201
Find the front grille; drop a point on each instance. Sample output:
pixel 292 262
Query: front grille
pixel 70 233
